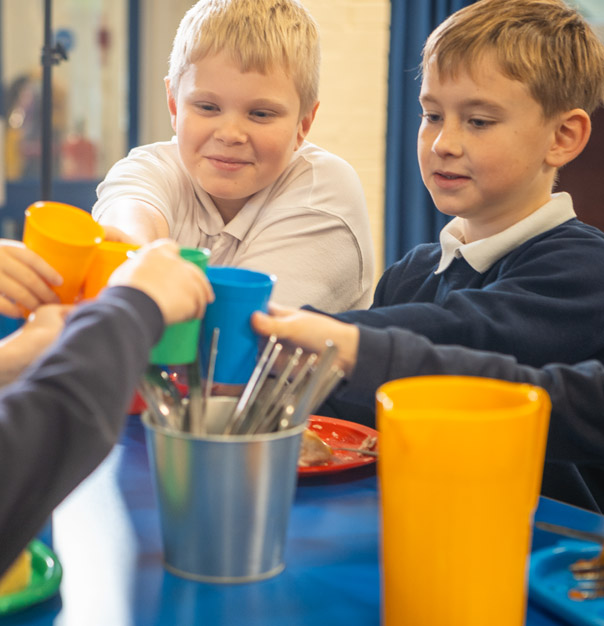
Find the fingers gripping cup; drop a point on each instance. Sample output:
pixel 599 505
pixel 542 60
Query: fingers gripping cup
pixel 66 238
pixel 239 292
pixel 460 469
pixel 179 343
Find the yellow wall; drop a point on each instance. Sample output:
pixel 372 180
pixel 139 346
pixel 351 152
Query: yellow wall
pixel 351 120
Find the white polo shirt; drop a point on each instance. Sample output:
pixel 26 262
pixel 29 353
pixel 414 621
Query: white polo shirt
pixel 483 253
pixel 310 227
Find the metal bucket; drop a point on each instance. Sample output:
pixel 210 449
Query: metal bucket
pixel 224 500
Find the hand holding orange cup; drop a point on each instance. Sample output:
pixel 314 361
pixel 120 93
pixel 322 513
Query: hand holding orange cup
pixel 66 238
pixel 461 461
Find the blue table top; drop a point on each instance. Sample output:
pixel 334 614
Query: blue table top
pixel 107 537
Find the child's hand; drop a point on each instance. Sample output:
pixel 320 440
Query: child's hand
pixel 25 279
pixel 179 287
pixel 44 326
pixel 310 331
pixel 115 234
pixel 24 346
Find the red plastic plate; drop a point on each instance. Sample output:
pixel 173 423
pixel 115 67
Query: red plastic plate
pixel 336 433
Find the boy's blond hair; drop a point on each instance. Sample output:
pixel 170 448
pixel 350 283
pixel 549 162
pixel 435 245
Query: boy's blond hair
pixel 542 43
pixel 260 35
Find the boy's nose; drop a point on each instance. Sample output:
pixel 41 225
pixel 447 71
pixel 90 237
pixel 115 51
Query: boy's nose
pixel 448 141
pixel 229 131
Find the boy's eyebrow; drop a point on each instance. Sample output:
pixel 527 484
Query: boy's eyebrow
pixel 466 104
pixel 202 95
pixel 267 103
pixel 484 104
pixel 259 103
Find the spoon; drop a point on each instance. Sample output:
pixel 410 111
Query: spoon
pixel 158 409
pixel 167 395
pixel 207 389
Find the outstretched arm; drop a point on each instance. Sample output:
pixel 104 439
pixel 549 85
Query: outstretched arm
pixel 61 418
pixel 140 222
pixel 310 331
pixel 372 356
pixel 25 345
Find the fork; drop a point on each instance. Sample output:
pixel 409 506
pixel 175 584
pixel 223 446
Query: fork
pixel 589 569
pixel 356 450
pixel 585 591
pixel 589 573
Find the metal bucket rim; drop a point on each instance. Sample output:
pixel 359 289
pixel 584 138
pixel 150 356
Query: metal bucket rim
pixel 258 437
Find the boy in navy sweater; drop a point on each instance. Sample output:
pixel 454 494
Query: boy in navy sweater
pixel 369 357
pixel 508 87
pixel 507 93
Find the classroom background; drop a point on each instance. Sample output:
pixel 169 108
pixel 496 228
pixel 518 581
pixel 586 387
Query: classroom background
pixel 108 96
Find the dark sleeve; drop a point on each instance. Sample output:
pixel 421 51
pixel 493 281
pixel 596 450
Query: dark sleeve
pixel 545 289
pixel 61 418
pixel 576 431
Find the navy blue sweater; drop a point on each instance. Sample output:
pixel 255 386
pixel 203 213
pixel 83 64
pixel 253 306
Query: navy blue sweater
pixel 573 471
pixel 542 302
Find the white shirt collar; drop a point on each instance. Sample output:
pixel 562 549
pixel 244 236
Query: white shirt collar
pixel 240 224
pixel 482 254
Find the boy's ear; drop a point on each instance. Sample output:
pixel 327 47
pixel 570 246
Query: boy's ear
pixel 305 123
pixel 171 103
pixel 571 135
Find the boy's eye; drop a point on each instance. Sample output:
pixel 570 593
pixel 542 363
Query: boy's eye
pixel 262 115
pixel 207 107
pixel 431 118
pixel 480 123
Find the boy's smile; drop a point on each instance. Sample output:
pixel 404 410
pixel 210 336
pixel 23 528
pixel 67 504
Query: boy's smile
pixel 482 147
pixel 236 131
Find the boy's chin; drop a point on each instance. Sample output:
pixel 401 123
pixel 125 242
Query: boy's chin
pixel 447 209
pixel 227 205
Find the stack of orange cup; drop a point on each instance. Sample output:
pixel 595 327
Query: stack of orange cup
pixel 66 238
pixel 69 240
pixel 108 257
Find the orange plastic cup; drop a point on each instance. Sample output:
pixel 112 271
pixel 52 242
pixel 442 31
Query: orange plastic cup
pixel 461 462
pixel 66 238
pixel 108 256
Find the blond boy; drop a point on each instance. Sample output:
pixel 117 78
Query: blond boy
pixel 239 177
pixel 508 86
pixel 507 90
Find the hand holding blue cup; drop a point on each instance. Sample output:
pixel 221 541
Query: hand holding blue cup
pixel 238 292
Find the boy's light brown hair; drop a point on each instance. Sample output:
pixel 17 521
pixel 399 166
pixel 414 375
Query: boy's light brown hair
pixel 260 35
pixel 544 44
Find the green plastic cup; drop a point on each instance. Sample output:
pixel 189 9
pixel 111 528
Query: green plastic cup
pixel 179 343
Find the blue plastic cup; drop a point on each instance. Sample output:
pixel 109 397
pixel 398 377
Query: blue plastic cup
pixel 239 292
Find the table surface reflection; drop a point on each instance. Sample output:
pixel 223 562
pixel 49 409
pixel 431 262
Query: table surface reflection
pixel 106 535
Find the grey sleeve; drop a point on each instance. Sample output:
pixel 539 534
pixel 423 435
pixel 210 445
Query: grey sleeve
pixel 61 418
pixel 576 431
